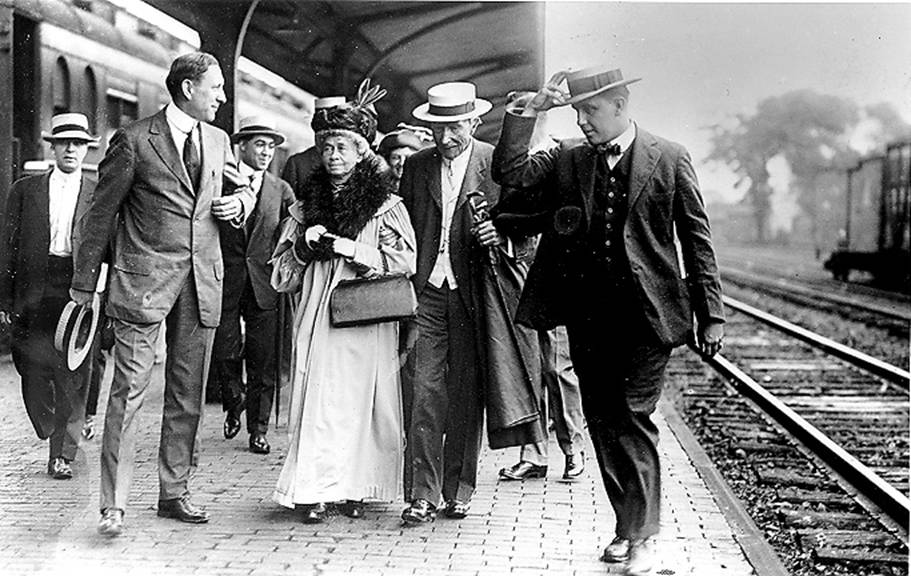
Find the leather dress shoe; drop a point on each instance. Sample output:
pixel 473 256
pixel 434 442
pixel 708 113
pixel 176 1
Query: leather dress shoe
pixel 419 512
pixel 111 523
pixel 575 465
pixel 59 469
pixel 182 509
pixel 455 509
pixel 352 508
pixel 616 551
pixel 259 444
pixel 314 514
pixel 522 471
pixel 232 423
pixel 641 558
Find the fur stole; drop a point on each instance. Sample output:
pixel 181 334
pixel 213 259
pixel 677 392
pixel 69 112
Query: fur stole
pixel 346 212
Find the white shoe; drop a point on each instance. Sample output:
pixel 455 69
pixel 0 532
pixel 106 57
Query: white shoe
pixel 641 558
pixel 88 428
pixel 617 551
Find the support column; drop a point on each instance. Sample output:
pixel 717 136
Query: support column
pixel 223 37
pixel 6 103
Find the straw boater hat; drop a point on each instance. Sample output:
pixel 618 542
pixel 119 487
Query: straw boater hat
pixel 584 84
pixel 357 117
pixel 451 102
pixel 328 102
pixel 257 126
pixel 69 126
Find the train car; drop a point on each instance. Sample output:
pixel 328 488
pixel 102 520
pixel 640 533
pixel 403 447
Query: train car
pixel 95 58
pixel 876 236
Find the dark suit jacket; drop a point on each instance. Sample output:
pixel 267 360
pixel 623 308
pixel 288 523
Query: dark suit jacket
pixel 260 232
pixel 421 190
pixel 27 239
pixel 300 167
pixel 163 230
pixel 664 202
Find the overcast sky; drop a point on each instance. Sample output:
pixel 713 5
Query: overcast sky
pixel 700 62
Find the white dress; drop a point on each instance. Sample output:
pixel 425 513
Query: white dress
pixel 346 432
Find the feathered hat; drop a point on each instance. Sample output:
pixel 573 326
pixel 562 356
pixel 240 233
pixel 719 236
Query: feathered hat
pixel 358 116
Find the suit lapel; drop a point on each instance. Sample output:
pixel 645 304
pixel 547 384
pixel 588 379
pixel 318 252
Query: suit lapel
pixel 434 184
pixel 474 176
pixel 645 159
pixel 209 151
pixel 43 217
pixel 163 143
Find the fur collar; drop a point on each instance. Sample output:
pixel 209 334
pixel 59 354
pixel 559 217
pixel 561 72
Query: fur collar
pixel 357 201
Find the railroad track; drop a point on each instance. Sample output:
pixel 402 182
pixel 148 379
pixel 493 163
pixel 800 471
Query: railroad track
pixel 817 445
pixel 871 306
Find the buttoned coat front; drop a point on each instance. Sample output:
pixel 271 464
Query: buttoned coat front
pixel 665 207
pixel 164 231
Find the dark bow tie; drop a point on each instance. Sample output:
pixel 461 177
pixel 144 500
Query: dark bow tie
pixel 609 149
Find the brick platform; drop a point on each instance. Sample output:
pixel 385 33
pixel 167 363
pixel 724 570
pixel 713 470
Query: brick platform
pixel 526 528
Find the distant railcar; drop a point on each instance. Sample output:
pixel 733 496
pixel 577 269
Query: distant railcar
pixel 876 235
pixel 94 58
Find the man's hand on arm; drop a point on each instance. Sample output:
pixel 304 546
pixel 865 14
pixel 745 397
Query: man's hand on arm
pixel 710 339
pixel 6 318
pixel 228 208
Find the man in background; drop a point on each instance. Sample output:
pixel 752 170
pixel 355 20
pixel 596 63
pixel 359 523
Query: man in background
pixel 247 293
pixel 43 215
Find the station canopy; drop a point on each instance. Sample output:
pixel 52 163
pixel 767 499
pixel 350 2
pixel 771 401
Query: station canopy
pixel 327 48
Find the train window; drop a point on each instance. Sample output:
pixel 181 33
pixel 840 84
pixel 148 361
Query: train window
pixel 90 97
pixel 122 108
pixel 61 87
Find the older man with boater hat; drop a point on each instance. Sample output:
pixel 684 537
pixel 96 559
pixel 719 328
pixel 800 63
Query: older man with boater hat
pixel 247 292
pixel 442 380
pixel 36 266
pixel 621 202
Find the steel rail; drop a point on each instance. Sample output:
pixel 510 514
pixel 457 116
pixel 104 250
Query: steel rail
pixel 891 312
pixel 863 361
pixel 895 504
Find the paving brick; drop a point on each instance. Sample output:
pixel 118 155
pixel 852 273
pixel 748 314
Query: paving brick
pixel 532 527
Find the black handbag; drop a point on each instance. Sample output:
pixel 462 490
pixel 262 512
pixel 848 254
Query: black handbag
pixel 362 301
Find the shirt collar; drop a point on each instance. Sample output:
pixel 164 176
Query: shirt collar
pixel 179 119
pixel 625 140
pixel 58 174
pixel 247 171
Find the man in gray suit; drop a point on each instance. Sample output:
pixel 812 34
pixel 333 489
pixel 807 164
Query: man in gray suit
pixel 619 204
pixel 160 196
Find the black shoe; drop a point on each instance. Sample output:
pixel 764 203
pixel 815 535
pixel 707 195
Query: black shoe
pixel 259 444
pixel 314 514
pixel 522 471
pixel 455 509
pixel 352 508
pixel 617 551
pixel 111 523
pixel 419 512
pixel 59 469
pixel 182 509
pixel 232 423
pixel 575 465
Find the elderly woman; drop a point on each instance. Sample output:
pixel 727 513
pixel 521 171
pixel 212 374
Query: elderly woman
pixel 346 432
